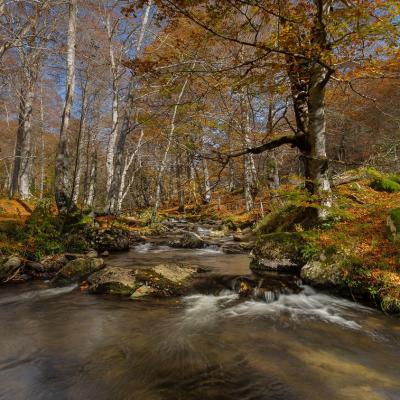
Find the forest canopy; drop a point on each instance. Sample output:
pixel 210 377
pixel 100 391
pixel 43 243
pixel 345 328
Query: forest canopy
pixel 122 105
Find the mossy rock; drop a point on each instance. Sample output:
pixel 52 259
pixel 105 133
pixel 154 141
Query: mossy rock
pixel 289 219
pixel 161 281
pixel 393 224
pixel 280 251
pixel 78 270
pixel 110 239
pixel 385 185
pixel 8 266
pixel 390 304
pixel 113 280
pixel 322 274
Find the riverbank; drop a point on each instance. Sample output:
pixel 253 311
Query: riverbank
pixel 355 252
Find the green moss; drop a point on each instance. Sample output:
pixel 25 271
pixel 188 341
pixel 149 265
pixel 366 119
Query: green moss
pixel 289 219
pixel 385 185
pixel 114 288
pixel 280 245
pixel 395 178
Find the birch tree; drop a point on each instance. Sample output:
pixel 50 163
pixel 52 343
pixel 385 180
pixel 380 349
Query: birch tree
pixel 163 164
pixel 63 189
pixel 118 154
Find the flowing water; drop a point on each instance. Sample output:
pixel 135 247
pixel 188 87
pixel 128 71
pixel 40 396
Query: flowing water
pixel 59 343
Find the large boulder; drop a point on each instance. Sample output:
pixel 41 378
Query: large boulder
pixel 279 252
pixel 189 240
pixel 8 267
pixel 78 269
pixel 322 274
pixel 160 281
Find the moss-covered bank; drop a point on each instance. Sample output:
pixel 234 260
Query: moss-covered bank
pixel 356 250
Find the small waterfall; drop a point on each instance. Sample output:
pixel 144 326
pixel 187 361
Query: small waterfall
pixel 270 296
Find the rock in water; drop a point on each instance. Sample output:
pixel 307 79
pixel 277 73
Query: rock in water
pixel 78 270
pixel 143 291
pixel 160 281
pixel 175 272
pixel 113 280
pixel 190 240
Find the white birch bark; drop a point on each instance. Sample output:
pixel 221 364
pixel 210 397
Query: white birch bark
pixel 250 173
pixel 124 188
pixel 207 186
pixel 115 74
pixel 80 148
pixel 163 163
pixel 20 181
pixel 62 182
pixel 119 160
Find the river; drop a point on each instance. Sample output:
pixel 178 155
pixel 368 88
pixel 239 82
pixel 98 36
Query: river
pixel 59 343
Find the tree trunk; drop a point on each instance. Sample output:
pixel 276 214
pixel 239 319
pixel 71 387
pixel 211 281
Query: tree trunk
pixel 272 171
pixel 250 173
pixel 163 164
pixel 207 186
pixel 62 182
pixel 180 188
pixel 118 155
pixel 124 187
pixel 318 180
pixel 115 100
pixel 20 180
pixel 92 180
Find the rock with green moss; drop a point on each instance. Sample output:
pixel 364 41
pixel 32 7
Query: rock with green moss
pixel 322 274
pixel 110 239
pixel 160 281
pixel 280 252
pixel 393 224
pixel 113 280
pixel 8 267
pixel 289 219
pixel 78 270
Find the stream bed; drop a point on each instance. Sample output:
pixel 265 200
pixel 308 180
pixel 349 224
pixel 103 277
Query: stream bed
pixel 59 343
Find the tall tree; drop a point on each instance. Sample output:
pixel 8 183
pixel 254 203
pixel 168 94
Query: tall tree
pixel 63 188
